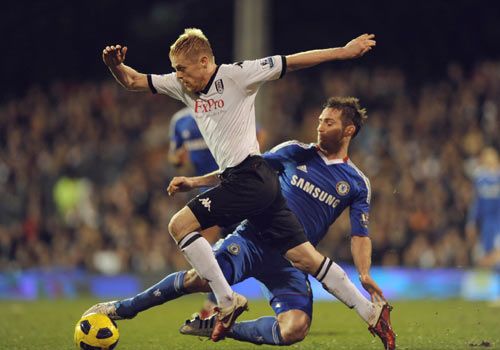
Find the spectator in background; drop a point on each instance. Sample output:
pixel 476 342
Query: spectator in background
pixel 414 150
pixel 484 214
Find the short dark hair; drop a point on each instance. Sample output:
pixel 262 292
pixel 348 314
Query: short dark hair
pixel 351 111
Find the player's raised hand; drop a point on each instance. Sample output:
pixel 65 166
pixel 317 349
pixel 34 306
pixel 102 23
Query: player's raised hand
pixel 371 287
pixel 180 184
pixel 114 55
pixel 359 46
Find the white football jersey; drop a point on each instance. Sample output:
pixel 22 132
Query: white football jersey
pixel 225 110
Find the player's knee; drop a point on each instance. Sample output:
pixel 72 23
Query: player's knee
pixel 294 332
pixel 173 228
pixel 177 227
pixel 182 223
pixel 193 283
pixel 294 326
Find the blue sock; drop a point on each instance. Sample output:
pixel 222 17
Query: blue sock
pixel 169 288
pixel 265 330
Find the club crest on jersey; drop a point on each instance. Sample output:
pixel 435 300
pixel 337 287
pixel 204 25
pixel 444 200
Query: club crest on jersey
pixel 234 248
pixel 267 63
pixel 219 85
pixel 342 188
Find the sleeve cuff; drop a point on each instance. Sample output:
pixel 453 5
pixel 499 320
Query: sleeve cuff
pixel 359 234
pixel 150 84
pixel 283 66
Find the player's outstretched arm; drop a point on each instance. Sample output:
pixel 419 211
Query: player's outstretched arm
pixel 361 249
pixel 353 49
pixel 184 184
pixel 129 78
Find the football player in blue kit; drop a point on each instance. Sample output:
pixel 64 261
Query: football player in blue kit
pixel 484 213
pixel 222 97
pixel 186 142
pixel 319 182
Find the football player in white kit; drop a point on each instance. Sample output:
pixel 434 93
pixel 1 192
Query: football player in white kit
pixel 222 98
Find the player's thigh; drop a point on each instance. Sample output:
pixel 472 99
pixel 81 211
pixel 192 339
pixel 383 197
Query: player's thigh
pixel 238 257
pixel 294 325
pixel 223 205
pixel 305 257
pixel 286 288
pixel 279 228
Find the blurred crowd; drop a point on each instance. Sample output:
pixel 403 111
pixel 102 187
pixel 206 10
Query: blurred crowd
pixel 83 168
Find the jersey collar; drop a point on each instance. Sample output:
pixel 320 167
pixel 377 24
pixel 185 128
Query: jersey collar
pixel 331 161
pixel 210 82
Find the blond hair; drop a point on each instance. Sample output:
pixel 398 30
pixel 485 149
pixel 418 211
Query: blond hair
pixel 192 43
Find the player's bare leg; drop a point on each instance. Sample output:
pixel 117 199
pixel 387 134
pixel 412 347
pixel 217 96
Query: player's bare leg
pixel 211 234
pixel 294 326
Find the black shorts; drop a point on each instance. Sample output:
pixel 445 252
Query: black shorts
pixel 251 190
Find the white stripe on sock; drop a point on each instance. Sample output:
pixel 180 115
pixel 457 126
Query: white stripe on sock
pixel 324 269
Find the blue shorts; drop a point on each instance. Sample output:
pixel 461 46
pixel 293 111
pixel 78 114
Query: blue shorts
pixel 490 237
pixel 241 255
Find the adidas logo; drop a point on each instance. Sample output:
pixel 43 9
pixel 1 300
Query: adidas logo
pixel 205 202
pixel 302 168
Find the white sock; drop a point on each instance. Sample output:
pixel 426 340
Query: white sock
pixel 199 253
pixel 336 282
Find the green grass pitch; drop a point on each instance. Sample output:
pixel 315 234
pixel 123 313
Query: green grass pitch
pixel 421 325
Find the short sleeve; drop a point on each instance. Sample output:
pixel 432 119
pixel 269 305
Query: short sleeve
pixel 360 211
pixel 166 84
pixel 284 153
pixel 250 74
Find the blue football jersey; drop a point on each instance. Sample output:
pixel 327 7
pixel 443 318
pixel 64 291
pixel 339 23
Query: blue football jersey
pixel 485 209
pixel 184 132
pixel 318 190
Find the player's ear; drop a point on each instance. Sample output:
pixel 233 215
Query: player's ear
pixel 204 61
pixel 349 130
